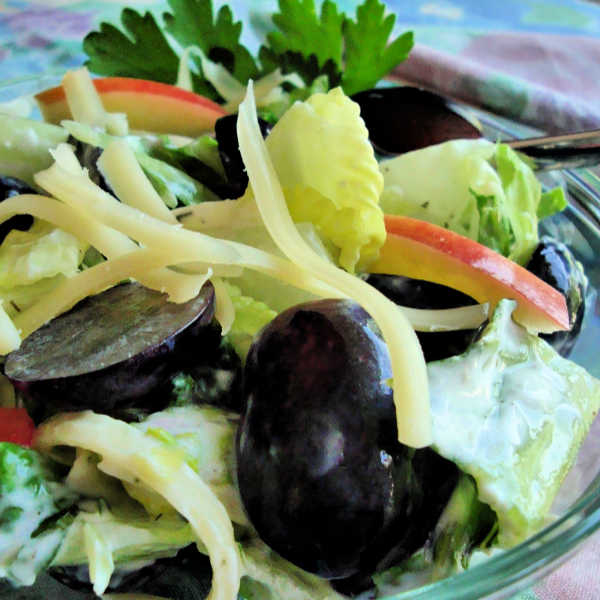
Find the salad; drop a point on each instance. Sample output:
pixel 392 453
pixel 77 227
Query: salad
pixel 260 338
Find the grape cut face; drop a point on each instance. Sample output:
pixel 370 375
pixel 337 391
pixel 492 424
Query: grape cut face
pixel 321 474
pixel 403 118
pixel 113 350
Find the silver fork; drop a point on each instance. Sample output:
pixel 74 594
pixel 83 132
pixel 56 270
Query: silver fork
pixel 565 151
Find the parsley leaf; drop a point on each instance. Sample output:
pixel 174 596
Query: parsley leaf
pixel 142 51
pixel 306 66
pixel 301 30
pixel 192 24
pixel 353 53
pixel 368 55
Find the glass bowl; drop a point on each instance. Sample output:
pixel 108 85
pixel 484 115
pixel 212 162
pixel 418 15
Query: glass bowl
pixel 576 511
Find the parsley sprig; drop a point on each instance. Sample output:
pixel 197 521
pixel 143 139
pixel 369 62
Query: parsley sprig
pixel 354 53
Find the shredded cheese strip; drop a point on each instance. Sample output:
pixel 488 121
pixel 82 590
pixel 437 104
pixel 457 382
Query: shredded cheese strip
pixel 10 337
pixel 83 100
pixel 231 214
pixel 99 556
pixel 411 395
pixel 86 106
pixel 81 193
pixel 189 246
pixel 180 287
pixel 218 270
pixel 124 449
pixel 224 309
pixel 92 281
pixel 121 169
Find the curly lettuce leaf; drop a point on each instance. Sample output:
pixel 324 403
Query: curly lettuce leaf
pixel 551 202
pixel 321 152
pixel 25 146
pixel 250 317
pixel 203 437
pixel 27 257
pixel 481 190
pixel 438 184
pixel 522 412
pixel 19 298
pixel 523 193
pixel 104 537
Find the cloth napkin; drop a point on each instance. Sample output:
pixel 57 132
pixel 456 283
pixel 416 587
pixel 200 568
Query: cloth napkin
pixel 534 61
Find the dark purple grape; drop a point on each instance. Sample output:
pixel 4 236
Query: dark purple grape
pixel 186 576
pixel 9 187
pixel 88 156
pixel 216 376
pixel 229 151
pixel 112 352
pixel 321 474
pixel 402 118
pixel 416 293
pixel 553 262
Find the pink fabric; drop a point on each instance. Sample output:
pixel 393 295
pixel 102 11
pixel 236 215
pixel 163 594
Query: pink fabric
pixel 548 81
pixel 578 579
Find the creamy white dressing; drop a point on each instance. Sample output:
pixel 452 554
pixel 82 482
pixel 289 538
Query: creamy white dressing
pixel 512 413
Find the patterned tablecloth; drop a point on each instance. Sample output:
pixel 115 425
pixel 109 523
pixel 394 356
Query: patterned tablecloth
pixel 535 61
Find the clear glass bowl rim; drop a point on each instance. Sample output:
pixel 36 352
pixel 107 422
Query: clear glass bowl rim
pixel 512 570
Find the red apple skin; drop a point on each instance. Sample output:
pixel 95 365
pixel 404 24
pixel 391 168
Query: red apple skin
pixel 420 250
pixel 149 106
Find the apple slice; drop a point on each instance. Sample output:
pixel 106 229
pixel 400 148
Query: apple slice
pixel 149 106
pixel 420 250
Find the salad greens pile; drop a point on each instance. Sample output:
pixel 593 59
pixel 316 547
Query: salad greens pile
pixel 509 411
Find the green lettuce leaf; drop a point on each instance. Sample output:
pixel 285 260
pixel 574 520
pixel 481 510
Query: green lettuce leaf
pixel 523 193
pixel 478 189
pixel 118 535
pixel 321 152
pixel 204 437
pixel 25 146
pixel 42 252
pixel 440 183
pixel 250 317
pixel 20 297
pixel 512 413
pixel 551 202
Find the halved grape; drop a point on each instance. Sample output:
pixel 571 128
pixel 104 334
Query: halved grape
pixel 113 351
pixel 404 118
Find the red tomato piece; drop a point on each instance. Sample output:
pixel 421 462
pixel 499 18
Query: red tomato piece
pixel 16 426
